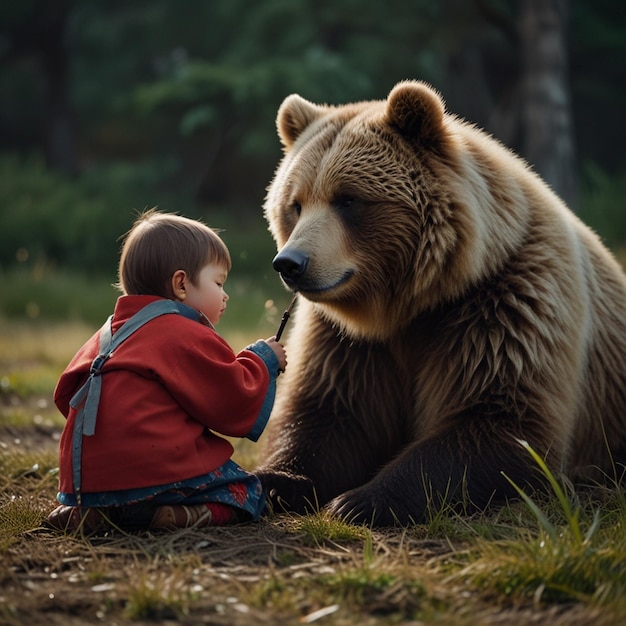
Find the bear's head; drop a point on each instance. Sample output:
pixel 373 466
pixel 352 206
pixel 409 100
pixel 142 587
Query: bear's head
pixel 377 207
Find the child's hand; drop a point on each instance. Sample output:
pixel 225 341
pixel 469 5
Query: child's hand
pixel 279 351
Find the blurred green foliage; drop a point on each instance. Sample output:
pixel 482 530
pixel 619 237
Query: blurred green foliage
pixel 43 293
pixel 49 217
pixel 602 204
pixel 77 222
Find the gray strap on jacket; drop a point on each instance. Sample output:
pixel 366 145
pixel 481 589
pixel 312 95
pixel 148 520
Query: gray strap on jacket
pixel 87 398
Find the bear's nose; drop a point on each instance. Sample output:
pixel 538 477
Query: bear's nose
pixel 291 264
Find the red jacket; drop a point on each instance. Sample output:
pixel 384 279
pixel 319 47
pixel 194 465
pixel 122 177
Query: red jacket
pixel 164 391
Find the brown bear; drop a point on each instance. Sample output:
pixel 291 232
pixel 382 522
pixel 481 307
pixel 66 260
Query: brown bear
pixel 450 306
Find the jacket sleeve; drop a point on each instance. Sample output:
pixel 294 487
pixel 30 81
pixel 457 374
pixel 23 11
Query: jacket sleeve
pixel 228 393
pixel 261 349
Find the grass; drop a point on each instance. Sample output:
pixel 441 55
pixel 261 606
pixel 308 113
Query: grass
pixel 558 559
pixel 578 553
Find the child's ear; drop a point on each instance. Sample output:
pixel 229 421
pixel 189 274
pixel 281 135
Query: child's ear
pixel 179 278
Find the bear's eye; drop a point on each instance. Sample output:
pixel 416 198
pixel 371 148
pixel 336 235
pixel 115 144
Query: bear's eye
pixel 297 207
pixel 343 203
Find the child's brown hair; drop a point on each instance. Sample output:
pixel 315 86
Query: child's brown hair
pixel 158 244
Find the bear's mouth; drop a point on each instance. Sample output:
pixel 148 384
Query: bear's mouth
pixel 305 285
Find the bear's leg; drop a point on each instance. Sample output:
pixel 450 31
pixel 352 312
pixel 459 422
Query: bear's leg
pixel 312 468
pixel 328 454
pixel 463 469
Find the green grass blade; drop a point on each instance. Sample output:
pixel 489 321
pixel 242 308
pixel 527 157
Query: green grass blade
pixel 544 522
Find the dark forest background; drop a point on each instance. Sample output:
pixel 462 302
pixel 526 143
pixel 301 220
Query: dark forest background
pixel 108 106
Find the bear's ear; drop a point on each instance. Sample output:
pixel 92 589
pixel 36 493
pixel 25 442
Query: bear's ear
pixel 416 110
pixel 294 115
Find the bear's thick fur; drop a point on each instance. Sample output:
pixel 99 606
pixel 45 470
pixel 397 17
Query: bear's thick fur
pixel 450 306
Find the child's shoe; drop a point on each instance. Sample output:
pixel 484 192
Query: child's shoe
pixel 71 519
pixel 197 515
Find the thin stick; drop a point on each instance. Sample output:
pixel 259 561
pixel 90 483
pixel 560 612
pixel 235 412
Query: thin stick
pixel 285 317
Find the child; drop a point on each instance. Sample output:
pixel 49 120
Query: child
pixel 140 447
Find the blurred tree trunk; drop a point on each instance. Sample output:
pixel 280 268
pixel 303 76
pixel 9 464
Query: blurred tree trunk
pixel 547 125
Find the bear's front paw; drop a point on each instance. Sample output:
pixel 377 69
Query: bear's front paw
pixel 288 492
pixel 365 506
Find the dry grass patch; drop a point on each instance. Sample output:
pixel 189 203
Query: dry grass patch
pixel 499 569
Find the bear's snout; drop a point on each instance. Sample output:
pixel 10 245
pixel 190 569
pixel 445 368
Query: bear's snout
pixel 291 264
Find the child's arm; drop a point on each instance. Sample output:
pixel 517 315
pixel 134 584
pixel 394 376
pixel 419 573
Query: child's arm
pixel 230 394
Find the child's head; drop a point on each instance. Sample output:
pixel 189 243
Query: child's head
pixel 159 244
